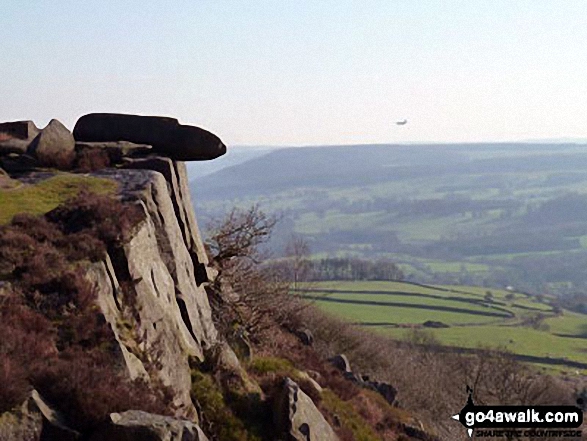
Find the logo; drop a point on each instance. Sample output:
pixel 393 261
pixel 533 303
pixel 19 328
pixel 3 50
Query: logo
pixel 530 421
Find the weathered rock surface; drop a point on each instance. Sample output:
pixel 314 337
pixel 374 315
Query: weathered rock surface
pixel 175 174
pixel 135 425
pixel 32 419
pixel 16 136
pixel 14 145
pixel 24 423
pixel 116 150
pixel 18 163
pixel 305 336
pixel 298 418
pixel 166 135
pixel 54 426
pixel 54 146
pixel 20 129
pixel 170 316
pixel 341 362
pixel 386 390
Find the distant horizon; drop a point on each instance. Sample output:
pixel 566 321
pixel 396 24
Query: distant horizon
pixel 563 140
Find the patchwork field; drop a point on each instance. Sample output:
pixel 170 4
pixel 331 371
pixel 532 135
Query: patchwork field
pixel 468 214
pixel 471 317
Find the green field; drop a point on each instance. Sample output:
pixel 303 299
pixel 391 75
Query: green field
pixel 473 320
pixel 467 214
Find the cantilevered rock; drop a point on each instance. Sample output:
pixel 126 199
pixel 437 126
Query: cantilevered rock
pixel 166 135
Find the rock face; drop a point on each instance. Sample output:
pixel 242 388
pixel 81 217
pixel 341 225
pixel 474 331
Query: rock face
pixel 298 418
pixel 151 289
pixel 135 425
pixel 170 316
pixel 54 146
pixel 166 135
pixel 116 151
pixel 175 174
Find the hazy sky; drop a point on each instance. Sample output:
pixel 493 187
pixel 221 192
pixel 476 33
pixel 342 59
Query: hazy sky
pixel 304 72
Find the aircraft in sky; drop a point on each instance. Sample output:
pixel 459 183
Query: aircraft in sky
pixel 402 123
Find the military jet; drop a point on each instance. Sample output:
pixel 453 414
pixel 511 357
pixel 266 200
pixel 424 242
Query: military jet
pixel 402 123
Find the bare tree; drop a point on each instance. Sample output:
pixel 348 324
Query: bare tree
pixel 239 235
pixel 247 294
pixel 297 253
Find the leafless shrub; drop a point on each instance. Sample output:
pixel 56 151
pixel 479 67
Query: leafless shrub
pixel 247 295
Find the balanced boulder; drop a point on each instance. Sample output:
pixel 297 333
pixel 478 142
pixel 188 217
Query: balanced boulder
pixel 166 135
pixel 54 146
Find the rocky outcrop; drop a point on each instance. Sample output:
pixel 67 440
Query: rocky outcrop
pixel 386 390
pixel 116 151
pixel 136 425
pixel 25 130
pixel 175 174
pixel 23 423
pixel 341 362
pixel 54 146
pixel 35 420
pixel 169 319
pixel 166 135
pixel 305 336
pixel 298 419
pixel 16 136
pixel 151 289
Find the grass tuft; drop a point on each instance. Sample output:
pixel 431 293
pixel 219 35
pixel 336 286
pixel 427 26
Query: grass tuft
pixel 46 195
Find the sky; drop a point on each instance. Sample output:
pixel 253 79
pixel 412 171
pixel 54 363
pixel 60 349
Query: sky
pixel 304 72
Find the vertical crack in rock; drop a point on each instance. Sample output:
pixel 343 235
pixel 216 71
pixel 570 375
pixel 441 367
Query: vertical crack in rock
pixel 179 242
pixel 190 226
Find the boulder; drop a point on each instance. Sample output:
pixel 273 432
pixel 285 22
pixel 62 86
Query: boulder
pixel 14 145
pixel 24 423
pixel 311 386
pixel 54 426
pixel 239 340
pixel 20 129
pixel 166 135
pixel 31 419
pixel 136 425
pixel 15 137
pixel 223 361
pixel 305 336
pixel 54 146
pixel 297 418
pixel 386 390
pixel 18 163
pixel 341 362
